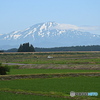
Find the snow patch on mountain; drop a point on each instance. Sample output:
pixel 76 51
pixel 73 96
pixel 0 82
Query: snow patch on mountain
pixel 50 34
pixel 16 36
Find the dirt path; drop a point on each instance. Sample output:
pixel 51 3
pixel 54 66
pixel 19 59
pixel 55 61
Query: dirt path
pixel 16 64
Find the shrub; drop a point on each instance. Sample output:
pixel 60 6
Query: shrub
pixel 4 69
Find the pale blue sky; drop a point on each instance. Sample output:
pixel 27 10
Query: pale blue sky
pixel 20 14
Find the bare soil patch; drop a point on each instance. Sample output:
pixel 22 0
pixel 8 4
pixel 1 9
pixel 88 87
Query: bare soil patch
pixel 61 66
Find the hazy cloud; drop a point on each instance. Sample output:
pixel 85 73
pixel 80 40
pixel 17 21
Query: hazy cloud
pixel 90 28
pixel 66 26
pixel 74 27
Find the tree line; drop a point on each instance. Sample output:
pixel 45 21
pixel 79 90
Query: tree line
pixel 29 48
pixel 72 48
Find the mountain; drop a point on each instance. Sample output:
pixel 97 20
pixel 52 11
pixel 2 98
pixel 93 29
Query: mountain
pixel 48 35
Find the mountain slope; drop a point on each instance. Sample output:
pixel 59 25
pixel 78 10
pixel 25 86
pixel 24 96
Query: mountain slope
pixel 48 35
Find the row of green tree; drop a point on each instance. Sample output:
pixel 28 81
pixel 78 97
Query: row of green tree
pixel 26 47
pixel 72 48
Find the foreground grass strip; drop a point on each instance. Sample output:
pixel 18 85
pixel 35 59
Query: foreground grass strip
pixel 49 94
pixel 10 77
pixel 45 71
pixel 13 96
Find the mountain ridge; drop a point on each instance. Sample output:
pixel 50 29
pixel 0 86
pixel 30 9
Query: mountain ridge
pixel 48 34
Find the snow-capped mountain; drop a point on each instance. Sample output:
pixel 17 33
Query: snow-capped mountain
pixel 49 34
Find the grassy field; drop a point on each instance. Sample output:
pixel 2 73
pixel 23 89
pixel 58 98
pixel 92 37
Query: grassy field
pixel 11 96
pixel 44 71
pixel 50 88
pixel 58 58
pixel 54 86
pixel 64 85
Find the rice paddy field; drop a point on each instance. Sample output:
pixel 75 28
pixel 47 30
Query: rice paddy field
pixel 35 76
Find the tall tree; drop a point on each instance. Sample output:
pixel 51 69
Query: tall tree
pixel 26 47
pixel 20 49
pixel 32 48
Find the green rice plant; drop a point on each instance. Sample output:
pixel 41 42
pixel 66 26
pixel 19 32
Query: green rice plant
pixel 44 71
pixel 63 85
pixel 12 96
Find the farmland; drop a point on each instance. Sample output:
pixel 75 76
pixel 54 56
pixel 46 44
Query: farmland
pixel 58 58
pixel 34 75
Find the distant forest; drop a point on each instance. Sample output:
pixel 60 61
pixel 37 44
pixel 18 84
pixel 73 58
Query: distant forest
pixel 72 48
